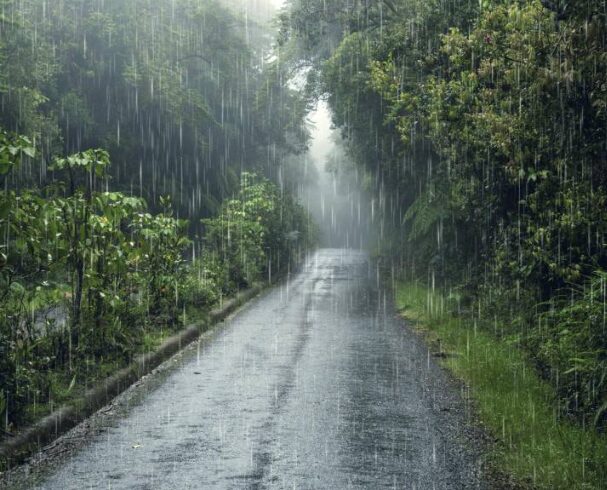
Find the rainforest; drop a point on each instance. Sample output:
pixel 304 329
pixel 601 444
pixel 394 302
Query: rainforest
pixel 421 173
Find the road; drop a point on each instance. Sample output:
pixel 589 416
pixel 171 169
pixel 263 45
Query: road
pixel 316 384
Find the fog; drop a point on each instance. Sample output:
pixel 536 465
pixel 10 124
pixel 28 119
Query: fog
pixel 334 194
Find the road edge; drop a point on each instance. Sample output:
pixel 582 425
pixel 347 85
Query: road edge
pixel 16 449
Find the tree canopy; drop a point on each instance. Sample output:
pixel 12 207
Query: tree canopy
pixel 181 93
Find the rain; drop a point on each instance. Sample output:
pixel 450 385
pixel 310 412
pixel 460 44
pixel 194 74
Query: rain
pixel 303 244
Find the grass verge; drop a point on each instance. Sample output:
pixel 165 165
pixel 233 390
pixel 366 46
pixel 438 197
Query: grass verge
pixel 534 446
pixel 80 404
pixel 66 387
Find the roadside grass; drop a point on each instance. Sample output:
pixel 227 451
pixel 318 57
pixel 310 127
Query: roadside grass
pixel 65 387
pixel 69 387
pixel 61 386
pixel 518 407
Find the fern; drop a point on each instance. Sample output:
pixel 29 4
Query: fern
pixel 427 210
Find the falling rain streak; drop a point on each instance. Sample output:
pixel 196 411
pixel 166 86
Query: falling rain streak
pixel 419 185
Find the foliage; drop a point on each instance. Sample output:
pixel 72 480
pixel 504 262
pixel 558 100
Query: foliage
pixel 79 236
pixel 258 231
pixel 534 446
pixel 159 258
pixel 571 341
pixel 172 88
pixel 484 126
pixel 12 149
pixel 89 276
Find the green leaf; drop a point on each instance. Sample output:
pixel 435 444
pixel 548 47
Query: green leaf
pixel 72 384
pixel 17 288
pixel 29 151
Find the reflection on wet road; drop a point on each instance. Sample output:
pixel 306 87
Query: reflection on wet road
pixel 314 385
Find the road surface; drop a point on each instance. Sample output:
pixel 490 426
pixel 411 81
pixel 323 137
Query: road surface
pixel 316 384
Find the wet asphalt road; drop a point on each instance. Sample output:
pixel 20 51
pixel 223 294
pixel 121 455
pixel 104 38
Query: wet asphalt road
pixel 316 384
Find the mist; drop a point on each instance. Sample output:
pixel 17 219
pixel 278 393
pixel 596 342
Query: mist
pixel 334 195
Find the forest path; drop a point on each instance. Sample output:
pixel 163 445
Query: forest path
pixel 317 384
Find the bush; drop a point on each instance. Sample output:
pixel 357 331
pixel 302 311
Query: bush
pixel 119 273
pixel 259 231
pixel 571 344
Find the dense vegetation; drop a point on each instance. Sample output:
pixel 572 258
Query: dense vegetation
pixel 535 448
pixel 183 94
pixel 484 125
pixel 480 127
pixel 90 278
pixel 97 262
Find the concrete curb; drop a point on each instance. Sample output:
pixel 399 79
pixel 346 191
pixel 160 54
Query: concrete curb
pixel 46 430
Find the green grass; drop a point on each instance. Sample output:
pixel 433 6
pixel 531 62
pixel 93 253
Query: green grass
pixel 512 401
pixel 67 387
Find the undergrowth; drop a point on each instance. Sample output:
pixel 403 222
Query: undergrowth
pixel 535 444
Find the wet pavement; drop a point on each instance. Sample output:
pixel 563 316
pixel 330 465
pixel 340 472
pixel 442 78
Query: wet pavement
pixel 316 384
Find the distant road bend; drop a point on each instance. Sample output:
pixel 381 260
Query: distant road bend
pixel 316 384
